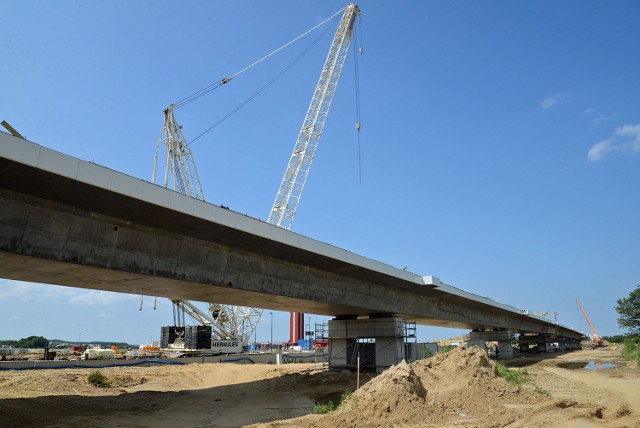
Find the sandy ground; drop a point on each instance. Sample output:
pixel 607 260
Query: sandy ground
pixel 460 390
pixel 586 398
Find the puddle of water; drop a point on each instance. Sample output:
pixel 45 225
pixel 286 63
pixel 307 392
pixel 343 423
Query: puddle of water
pixel 588 365
pixel 591 365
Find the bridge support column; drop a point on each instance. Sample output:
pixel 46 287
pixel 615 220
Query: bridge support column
pixel 495 342
pixel 541 342
pixel 572 344
pixel 379 342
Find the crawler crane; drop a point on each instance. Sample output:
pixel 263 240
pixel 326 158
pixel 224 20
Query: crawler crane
pixel 226 321
pixel 180 172
pixel 284 208
pixel 597 342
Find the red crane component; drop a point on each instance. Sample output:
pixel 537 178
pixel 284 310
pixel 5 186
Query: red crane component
pixel 296 328
pixel 596 339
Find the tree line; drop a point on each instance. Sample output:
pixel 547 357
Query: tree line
pixel 26 342
pixel 39 342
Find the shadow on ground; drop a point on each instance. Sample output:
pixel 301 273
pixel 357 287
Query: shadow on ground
pixel 284 397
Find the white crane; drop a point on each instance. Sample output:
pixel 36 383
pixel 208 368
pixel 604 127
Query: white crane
pixel 180 167
pixel 288 197
pixel 286 204
pixel 181 173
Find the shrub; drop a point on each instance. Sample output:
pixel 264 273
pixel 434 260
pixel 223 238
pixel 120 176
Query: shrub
pixel 631 349
pixel 426 353
pixel 542 391
pixel 346 396
pixel 445 349
pixel 324 408
pixel 98 379
pixel 330 406
pixel 619 338
pixel 514 377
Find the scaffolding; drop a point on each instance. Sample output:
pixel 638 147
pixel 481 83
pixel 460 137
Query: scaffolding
pixel 410 340
pixel 322 341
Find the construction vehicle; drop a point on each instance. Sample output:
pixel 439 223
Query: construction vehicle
pixel 98 353
pixel 597 342
pixel 231 323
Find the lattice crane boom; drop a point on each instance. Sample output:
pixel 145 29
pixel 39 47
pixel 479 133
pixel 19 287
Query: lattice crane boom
pixel 227 322
pixel 180 167
pixel 295 177
pixel 596 337
pixel 288 196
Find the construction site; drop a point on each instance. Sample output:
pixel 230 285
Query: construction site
pixel 457 388
pixel 75 223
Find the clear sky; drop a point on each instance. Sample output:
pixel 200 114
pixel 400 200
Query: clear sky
pixel 500 142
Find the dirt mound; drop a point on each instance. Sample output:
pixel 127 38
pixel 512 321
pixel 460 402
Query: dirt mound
pixel 467 381
pixel 461 387
pixel 398 388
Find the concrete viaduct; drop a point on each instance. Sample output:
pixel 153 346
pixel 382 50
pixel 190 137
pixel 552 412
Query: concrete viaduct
pixel 68 222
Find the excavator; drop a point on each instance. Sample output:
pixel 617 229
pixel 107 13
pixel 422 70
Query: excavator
pixel 597 342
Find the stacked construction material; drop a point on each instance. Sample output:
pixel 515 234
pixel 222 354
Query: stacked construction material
pixel 197 337
pixel 169 334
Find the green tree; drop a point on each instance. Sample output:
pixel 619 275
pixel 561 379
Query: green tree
pixel 629 310
pixel 32 342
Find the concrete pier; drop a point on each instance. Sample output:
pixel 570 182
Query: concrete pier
pixel 502 337
pixel 379 342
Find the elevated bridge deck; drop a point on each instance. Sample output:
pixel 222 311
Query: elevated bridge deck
pixel 69 222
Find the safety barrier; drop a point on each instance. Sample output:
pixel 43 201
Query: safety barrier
pixel 86 364
pixel 99 364
pixel 286 357
pixel 238 359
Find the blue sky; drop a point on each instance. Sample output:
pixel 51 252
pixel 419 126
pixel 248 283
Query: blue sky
pixel 500 142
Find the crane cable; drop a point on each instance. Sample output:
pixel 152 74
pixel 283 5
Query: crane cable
pixel 216 85
pixel 264 87
pixel 291 42
pixel 356 52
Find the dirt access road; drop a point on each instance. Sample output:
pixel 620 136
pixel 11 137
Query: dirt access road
pixel 605 397
pixel 459 389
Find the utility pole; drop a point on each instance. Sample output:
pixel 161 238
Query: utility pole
pixel 271 339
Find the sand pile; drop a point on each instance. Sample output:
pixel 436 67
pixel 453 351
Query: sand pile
pixel 396 389
pixel 466 380
pixel 461 386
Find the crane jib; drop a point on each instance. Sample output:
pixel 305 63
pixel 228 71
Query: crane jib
pixel 288 196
